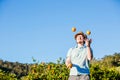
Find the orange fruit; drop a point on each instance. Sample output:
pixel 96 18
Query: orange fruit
pixel 70 65
pixel 73 29
pixel 49 67
pixel 88 32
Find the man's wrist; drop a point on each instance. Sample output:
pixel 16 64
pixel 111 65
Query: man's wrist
pixel 88 46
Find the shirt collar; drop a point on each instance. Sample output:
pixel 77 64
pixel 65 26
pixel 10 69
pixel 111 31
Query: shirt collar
pixel 79 47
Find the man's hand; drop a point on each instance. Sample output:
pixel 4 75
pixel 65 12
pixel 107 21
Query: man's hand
pixel 69 65
pixel 88 42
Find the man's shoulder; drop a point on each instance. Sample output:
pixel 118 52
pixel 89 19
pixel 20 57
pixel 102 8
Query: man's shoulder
pixel 70 51
pixel 72 48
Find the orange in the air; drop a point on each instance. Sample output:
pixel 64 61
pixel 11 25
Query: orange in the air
pixel 73 29
pixel 88 32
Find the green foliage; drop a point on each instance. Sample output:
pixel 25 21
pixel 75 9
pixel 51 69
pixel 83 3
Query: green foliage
pixel 111 60
pixel 104 73
pixel 14 68
pixel 47 71
pixel 107 68
pixel 7 76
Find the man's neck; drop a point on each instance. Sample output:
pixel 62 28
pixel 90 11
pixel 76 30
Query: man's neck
pixel 80 45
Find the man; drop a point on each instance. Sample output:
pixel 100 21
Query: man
pixel 78 58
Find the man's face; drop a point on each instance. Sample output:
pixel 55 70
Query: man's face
pixel 80 39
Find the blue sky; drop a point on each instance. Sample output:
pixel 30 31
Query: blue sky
pixel 42 28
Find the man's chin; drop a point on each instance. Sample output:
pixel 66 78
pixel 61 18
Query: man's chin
pixel 80 42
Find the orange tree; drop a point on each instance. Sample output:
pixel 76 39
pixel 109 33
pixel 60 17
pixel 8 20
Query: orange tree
pixel 59 71
pixel 48 71
pixel 103 73
pixel 7 76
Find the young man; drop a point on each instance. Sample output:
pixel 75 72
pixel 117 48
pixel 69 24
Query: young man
pixel 78 58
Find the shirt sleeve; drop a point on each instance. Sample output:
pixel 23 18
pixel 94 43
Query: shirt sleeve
pixel 69 52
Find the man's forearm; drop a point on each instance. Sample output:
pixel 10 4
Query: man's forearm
pixel 89 53
pixel 68 61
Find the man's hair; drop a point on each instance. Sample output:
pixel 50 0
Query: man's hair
pixel 80 33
